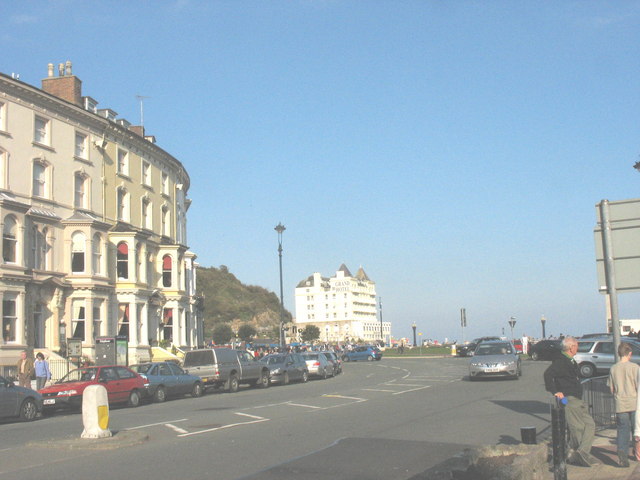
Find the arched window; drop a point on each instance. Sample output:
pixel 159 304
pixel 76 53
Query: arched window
pixel 9 239
pixel 78 244
pixel 122 261
pixel 147 214
pixel 166 270
pixel 97 254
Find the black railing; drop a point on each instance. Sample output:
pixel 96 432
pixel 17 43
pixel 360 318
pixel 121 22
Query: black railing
pixel 597 395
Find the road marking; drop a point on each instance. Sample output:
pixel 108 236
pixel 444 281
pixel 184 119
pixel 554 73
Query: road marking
pixel 303 405
pixel 411 390
pixel 407 385
pixel 257 420
pixel 177 429
pixel 343 396
pixel 377 390
pixel 154 424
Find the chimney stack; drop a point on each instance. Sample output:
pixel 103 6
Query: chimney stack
pixel 65 86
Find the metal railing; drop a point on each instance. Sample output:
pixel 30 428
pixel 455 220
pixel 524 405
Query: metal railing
pixel 58 367
pixel 597 395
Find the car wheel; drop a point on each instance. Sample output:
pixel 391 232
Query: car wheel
pixel 285 378
pixel 534 356
pixel 265 379
pixel 28 410
pixel 346 358
pixel 197 390
pixel 134 398
pixel 305 376
pixel 472 378
pixel 370 358
pixel 160 395
pixel 232 384
pixel 587 370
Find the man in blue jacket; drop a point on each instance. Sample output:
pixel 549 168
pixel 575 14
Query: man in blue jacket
pixel 563 381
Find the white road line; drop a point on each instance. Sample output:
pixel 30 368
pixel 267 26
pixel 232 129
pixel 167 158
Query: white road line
pixel 208 430
pixel 377 390
pixel 250 416
pixel 154 424
pixel 412 390
pixel 407 385
pixel 343 396
pixel 302 405
pixel 177 429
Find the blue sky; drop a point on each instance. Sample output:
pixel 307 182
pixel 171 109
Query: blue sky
pixel 455 150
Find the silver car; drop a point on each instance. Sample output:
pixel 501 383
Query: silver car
pixel 495 359
pixel 596 355
pixel 318 365
pixel 20 402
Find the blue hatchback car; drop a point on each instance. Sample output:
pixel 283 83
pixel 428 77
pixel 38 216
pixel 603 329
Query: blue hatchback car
pixel 366 352
pixel 166 379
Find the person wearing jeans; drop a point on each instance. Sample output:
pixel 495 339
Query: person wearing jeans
pixel 623 382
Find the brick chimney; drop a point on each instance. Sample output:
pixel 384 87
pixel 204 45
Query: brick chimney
pixel 65 86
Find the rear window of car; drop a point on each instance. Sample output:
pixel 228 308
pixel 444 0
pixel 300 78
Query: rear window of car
pixel 197 358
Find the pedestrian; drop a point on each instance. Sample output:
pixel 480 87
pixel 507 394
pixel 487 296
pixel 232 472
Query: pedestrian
pixel 43 374
pixel 623 382
pixel 25 370
pixel 562 380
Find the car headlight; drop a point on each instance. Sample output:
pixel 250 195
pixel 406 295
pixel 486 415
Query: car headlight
pixel 67 392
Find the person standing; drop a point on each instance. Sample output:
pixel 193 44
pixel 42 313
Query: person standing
pixel 623 382
pixel 563 381
pixel 25 370
pixel 43 374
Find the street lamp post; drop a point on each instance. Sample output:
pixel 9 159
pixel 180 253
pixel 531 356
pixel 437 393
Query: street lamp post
pixel 381 331
pixel 512 323
pixel 281 228
pixel 543 321
pixel 415 342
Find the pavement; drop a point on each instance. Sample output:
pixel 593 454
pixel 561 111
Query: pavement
pixel 604 450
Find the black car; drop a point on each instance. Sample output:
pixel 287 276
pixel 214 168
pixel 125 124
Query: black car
pixel 545 349
pixel 467 350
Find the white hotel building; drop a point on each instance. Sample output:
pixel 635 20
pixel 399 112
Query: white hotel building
pixel 343 307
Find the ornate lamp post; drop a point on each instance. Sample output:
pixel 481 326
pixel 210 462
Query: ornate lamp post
pixel 543 321
pixel 512 323
pixel 281 228
pixel 415 342
pixel 381 331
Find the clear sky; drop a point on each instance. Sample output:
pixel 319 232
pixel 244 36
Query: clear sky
pixel 454 149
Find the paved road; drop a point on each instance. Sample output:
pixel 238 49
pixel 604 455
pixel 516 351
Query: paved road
pixel 388 419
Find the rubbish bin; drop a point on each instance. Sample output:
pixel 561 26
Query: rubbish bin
pixel 528 435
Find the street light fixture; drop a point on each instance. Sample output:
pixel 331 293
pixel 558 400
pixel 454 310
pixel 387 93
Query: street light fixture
pixel 543 321
pixel 381 331
pixel 281 228
pixel 512 323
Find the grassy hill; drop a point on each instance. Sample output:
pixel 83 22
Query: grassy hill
pixel 227 299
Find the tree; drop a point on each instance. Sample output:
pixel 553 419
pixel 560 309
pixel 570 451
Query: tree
pixel 246 332
pixel 310 333
pixel 222 333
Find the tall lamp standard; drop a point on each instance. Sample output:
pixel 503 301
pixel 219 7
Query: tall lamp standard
pixel 512 323
pixel 281 228
pixel 381 331
pixel 415 342
pixel 543 321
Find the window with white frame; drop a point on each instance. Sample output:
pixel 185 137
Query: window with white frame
pixel 40 184
pixel 97 254
pixel 81 150
pixel 42 131
pixel 78 246
pixel 97 318
pixel 123 205
pixel 146 173
pixel 4 168
pixel 165 184
pixel 123 319
pixel 167 270
pixel 147 216
pixel 3 117
pixel 123 162
pixel 38 326
pixel 9 320
pixel 166 222
pixel 77 322
pixel 122 261
pixel 80 184
pixel 9 239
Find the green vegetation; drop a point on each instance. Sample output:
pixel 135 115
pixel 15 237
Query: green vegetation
pixel 227 301
pixel 310 334
pixel 419 351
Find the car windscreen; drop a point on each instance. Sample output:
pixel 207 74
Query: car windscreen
pixel 484 349
pixel 273 360
pixel 79 375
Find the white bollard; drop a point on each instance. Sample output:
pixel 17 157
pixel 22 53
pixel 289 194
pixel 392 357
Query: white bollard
pixel 95 412
pixel 453 350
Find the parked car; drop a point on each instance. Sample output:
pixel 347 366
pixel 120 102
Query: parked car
pixel 18 402
pixel 166 379
pixel 366 352
pixel 495 359
pixel 123 386
pixel 226 367
pixel 518 346
pixel 317 364
pixel 545 349
pixel 284 367
pixel 596 355
pixel 333 358
pixel 467 349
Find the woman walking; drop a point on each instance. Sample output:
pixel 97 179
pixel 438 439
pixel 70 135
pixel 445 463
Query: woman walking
pixel 42 371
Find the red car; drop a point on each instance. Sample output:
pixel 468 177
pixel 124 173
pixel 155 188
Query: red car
pixel 123 386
